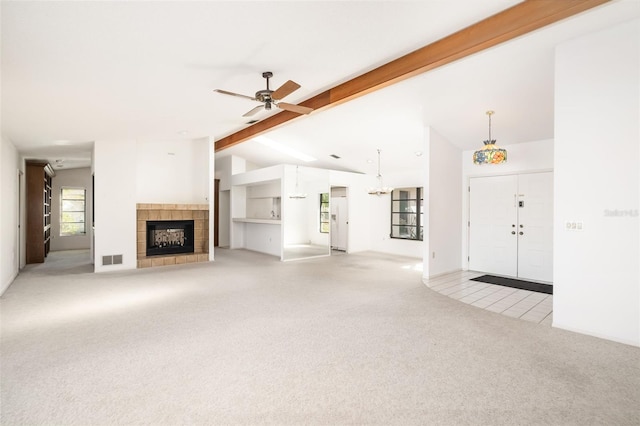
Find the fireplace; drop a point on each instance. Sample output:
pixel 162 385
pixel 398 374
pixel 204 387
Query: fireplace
pixel 169 237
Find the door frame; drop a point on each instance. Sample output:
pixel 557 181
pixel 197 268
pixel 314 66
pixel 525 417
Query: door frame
pixel 216 212
pixel 346 189
pixel 18 241
pixel 467 211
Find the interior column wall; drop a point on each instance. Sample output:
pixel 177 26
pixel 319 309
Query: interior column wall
pixel 597 163
pixel 115 203
pixel 445 206
pixel 9 247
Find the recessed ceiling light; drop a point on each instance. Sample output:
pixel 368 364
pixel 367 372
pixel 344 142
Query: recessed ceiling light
pixel 183 133
pixel 418 153
pixel 58 161
pixel 369 161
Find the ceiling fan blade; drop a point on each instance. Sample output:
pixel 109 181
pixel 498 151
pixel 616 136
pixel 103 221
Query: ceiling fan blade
pixel 285 89
pixel 294 108
pixel 224 92
pixel 253 111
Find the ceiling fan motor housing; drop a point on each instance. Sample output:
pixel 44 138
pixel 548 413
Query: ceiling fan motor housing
pixel 264 95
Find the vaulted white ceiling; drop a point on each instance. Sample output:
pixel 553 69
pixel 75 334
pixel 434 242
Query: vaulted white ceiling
pixel 76 72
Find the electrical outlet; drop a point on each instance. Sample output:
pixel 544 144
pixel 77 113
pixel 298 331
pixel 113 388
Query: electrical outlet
pixel 573 225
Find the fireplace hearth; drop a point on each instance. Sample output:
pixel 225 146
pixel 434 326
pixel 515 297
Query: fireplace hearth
pixel 169 237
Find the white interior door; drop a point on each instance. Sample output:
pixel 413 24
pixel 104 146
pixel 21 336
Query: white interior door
pixel 511 225
pixel 535 226
pixel 339 223
pixel 493 240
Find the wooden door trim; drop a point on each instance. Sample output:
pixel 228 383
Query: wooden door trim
pixel 216 211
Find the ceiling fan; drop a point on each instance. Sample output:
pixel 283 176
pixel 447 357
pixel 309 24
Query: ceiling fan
pixel 270 97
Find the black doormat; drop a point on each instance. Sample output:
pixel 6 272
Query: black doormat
pixel 510 282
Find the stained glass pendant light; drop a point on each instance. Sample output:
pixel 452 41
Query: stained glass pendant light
pixel 380 189
pixel 490 153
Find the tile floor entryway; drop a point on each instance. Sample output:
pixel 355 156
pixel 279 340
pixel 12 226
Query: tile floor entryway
pixel 512 302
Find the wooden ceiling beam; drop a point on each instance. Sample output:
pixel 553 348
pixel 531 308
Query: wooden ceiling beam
pixel 516 21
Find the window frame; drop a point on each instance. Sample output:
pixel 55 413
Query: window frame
pixel 327 211
pixel 61 221
pixel 418 228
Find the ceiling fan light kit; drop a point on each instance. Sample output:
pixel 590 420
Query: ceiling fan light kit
pixel 270 97
pixel 490 153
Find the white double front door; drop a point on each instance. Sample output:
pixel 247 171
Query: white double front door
pixel 511 225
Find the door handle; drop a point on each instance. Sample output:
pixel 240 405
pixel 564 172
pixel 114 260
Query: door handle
pixel 520 233
pixel 513 232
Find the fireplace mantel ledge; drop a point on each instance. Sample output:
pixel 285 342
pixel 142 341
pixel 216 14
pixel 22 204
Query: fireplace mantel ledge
pixel 141 206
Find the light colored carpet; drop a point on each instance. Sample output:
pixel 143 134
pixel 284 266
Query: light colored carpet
pixel 354 339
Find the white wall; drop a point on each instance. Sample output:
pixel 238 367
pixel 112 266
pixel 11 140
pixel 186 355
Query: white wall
pixel 263 238
pixel 360 224
pixel 115 203
pixel 225 167
pixel 445 207
pixel 72 178
pixel 9 247
pixel 223 172
pixel 524 157
pixel 224 219
pixel 597 159
pixel 129 172
pixel 173 172
pixel 238 210
pixel 177 172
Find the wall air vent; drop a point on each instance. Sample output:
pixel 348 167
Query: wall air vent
pixel 334 156
pixel 252 121
pixel 115 259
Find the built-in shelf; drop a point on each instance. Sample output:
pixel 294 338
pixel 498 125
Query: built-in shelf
pixel 39 185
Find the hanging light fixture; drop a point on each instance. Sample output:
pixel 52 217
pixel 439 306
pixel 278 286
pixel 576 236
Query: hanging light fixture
pixel 490 153
pixel 381 189
pixel 297 194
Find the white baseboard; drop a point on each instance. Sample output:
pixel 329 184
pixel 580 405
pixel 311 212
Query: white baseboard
pixel 6 285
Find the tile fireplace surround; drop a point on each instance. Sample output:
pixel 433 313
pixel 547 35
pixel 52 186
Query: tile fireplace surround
pixel 199 213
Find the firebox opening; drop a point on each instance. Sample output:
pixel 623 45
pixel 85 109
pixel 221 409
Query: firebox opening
pixel 169 237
